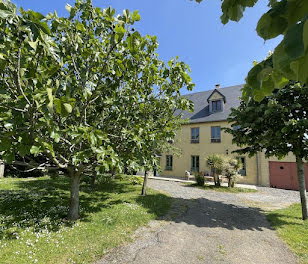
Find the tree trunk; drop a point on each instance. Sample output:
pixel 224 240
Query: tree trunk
pixel 74 199
pixel 302 186
pixel 229 182
pixel 93 179
pixel 2 166
pixel 232 182
pixel 144 186
pixel 216 178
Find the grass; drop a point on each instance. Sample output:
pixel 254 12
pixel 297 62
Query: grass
pixel 33 228
pixel 223 188
pixel 292 229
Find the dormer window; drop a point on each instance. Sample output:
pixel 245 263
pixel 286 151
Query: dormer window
pixel 216 101
pixel 216 106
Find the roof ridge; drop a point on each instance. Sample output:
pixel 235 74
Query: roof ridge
pixel 215 89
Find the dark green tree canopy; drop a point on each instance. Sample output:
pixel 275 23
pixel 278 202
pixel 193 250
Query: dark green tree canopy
pixel 277 124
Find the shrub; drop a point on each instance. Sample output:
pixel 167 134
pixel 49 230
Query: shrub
pixel 200 179
pixel 231 166
pixel 132 179
pixel 216 163
pixel 135 180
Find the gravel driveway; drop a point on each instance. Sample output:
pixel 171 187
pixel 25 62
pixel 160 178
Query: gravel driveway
pixel 210 227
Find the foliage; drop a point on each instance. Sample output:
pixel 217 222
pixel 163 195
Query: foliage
pixel 225 165
pixel 33 228
pixel 289 227
pixel 230 169
pixel 132 179
pixel 64 82
pixel 216 163
pixel 200 179
pixel 276 125
pixel 287 18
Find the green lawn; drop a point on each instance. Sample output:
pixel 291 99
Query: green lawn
pixel 292 229
pixel 223 188
pixel 33 228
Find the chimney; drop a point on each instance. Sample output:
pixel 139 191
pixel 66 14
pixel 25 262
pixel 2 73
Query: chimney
pixel 217 86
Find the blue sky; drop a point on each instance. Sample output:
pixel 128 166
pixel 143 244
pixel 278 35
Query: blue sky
pixel 215 53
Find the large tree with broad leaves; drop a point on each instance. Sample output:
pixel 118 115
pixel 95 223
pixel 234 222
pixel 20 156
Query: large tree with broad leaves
pixel 277 125
pixel 289 60
pixel 75 91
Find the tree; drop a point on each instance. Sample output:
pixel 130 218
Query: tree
pixel 276 125
pixel 216 163
pixel 230 169
pixel 72 88
pixel 289 61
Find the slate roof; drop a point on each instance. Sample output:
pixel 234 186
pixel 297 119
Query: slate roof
pixel 201 112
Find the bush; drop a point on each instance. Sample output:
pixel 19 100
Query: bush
pixel 134 180
pixel 231 167
pixel 200 179
pixel 216 163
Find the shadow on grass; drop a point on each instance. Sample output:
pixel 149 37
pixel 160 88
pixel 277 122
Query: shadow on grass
pixel 43 204
pixel 290 216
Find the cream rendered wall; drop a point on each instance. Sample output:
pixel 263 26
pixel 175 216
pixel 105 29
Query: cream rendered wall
pixel 204 148
pixel 264 166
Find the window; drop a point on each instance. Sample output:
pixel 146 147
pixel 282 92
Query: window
pixel 169 162
pixel 216 106
pixel 242 170
pixel 215 134
pixel 194 163
pixel 195 135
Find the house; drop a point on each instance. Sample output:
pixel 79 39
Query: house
pixel 202 136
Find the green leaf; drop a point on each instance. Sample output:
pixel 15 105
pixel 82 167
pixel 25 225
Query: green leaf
pixel 126 15
pixel 136 16
pixel 35 150
pixel 300 67
pixel 8 157
pixel 281 62
pixel 33 44
pixel 80 27
pixel 305 35
pixel 5 14
pixel 24 150
pixel 293 41
pixel 297 9
pixel 58 104
pixel 68 7
pixel 5 144
pixel 7 9
pixel 50 97
pixel 270 27
pixel 133 42
pixel 68 108
pixel 119 29
pixel 55 136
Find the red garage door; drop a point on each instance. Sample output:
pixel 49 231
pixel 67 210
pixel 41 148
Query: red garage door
pixel 283 175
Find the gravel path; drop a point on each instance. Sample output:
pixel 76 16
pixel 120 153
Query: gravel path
pixel 210 227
